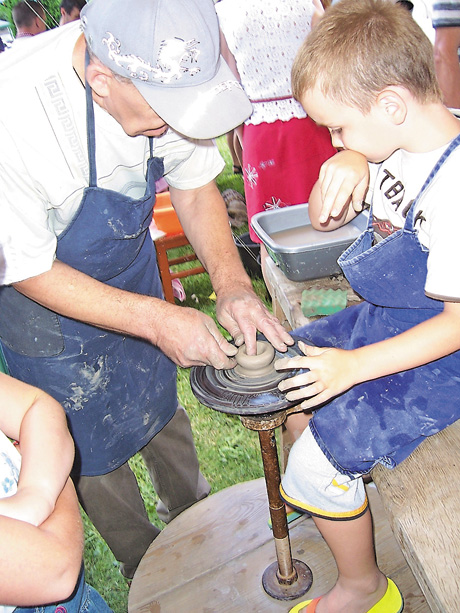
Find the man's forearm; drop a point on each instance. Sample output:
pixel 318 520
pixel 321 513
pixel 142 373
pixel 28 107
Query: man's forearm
pixel 204 217
pixel 69 292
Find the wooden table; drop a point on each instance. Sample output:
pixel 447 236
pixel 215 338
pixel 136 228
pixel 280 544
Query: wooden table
pixel 211 558
pixel 286 295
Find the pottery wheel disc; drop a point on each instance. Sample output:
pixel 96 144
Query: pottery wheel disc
pixel 228 391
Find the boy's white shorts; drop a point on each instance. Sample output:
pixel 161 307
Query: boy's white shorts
pixel 311 483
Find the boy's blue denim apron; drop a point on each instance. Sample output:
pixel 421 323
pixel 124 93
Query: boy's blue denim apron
pixel 85 599
pixel 384 420
pixel 117 391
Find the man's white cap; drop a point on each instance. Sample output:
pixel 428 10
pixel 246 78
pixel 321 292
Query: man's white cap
pixel 170 51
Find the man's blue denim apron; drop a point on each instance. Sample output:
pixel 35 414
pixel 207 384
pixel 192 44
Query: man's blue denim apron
pixel 386 419
pixel 117 391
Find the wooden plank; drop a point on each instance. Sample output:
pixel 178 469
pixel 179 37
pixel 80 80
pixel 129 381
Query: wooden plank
pixel 212 557
pixel 422 500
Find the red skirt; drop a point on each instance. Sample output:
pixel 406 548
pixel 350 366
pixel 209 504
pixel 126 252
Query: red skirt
pixel 281 163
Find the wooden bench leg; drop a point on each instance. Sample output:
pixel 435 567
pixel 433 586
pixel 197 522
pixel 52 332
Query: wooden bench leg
pixel 165 275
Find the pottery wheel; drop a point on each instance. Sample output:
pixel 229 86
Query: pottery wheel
pixel 251 388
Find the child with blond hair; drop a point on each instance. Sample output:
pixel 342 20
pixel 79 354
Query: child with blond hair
pixel 385 374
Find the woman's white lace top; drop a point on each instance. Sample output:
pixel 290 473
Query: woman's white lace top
pixel 264 36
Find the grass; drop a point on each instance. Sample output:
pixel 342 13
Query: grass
pixel 228 452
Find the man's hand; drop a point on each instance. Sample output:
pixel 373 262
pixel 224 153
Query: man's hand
pixel 191 338
pixel 242 313
pixel 204 218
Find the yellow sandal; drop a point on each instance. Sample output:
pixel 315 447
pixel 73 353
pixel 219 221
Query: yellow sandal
pixel 310 604
pixel 391 602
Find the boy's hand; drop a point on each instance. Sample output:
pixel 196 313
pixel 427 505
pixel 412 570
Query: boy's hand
pixel 343 179
pixel 330 372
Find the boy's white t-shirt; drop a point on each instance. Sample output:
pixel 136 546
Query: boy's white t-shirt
pixel 10 464
pixel 396 182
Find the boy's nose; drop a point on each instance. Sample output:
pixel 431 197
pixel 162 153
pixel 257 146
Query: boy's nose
pixel 336 140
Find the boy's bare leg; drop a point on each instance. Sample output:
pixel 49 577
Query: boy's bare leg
pixel 360 583
pixel 296 423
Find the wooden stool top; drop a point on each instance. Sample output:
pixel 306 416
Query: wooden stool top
pixel 212 556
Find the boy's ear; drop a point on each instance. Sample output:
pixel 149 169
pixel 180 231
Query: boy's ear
pixel 99 77
pixel 392 103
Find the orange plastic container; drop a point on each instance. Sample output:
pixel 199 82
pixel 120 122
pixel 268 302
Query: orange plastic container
pixel 165 216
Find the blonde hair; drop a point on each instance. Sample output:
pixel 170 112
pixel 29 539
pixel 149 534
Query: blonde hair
pixel 358 48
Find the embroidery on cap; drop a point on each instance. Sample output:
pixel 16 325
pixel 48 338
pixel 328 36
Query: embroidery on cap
pixel 226 86
pixel 173 56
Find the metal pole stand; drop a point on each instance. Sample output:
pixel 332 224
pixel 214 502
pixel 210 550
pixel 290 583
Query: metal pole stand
pixel 285 579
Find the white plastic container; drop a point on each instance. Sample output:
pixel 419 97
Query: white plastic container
pixel 300 251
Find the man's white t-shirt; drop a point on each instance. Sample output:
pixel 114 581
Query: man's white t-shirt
pixel 43 153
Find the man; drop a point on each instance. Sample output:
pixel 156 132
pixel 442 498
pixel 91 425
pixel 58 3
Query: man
pixel 29 19
pixel 70 10
pixel 446 22
pixel 83 300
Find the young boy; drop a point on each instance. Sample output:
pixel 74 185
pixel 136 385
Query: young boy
pixel 385 373
pixel 41 535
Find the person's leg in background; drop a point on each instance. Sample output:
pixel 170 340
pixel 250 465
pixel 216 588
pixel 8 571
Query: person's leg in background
pixel 236 151
pixel 114 504
pixel 173 466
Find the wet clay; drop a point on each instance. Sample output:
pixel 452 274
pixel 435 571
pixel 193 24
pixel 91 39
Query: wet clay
pixel 259 365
